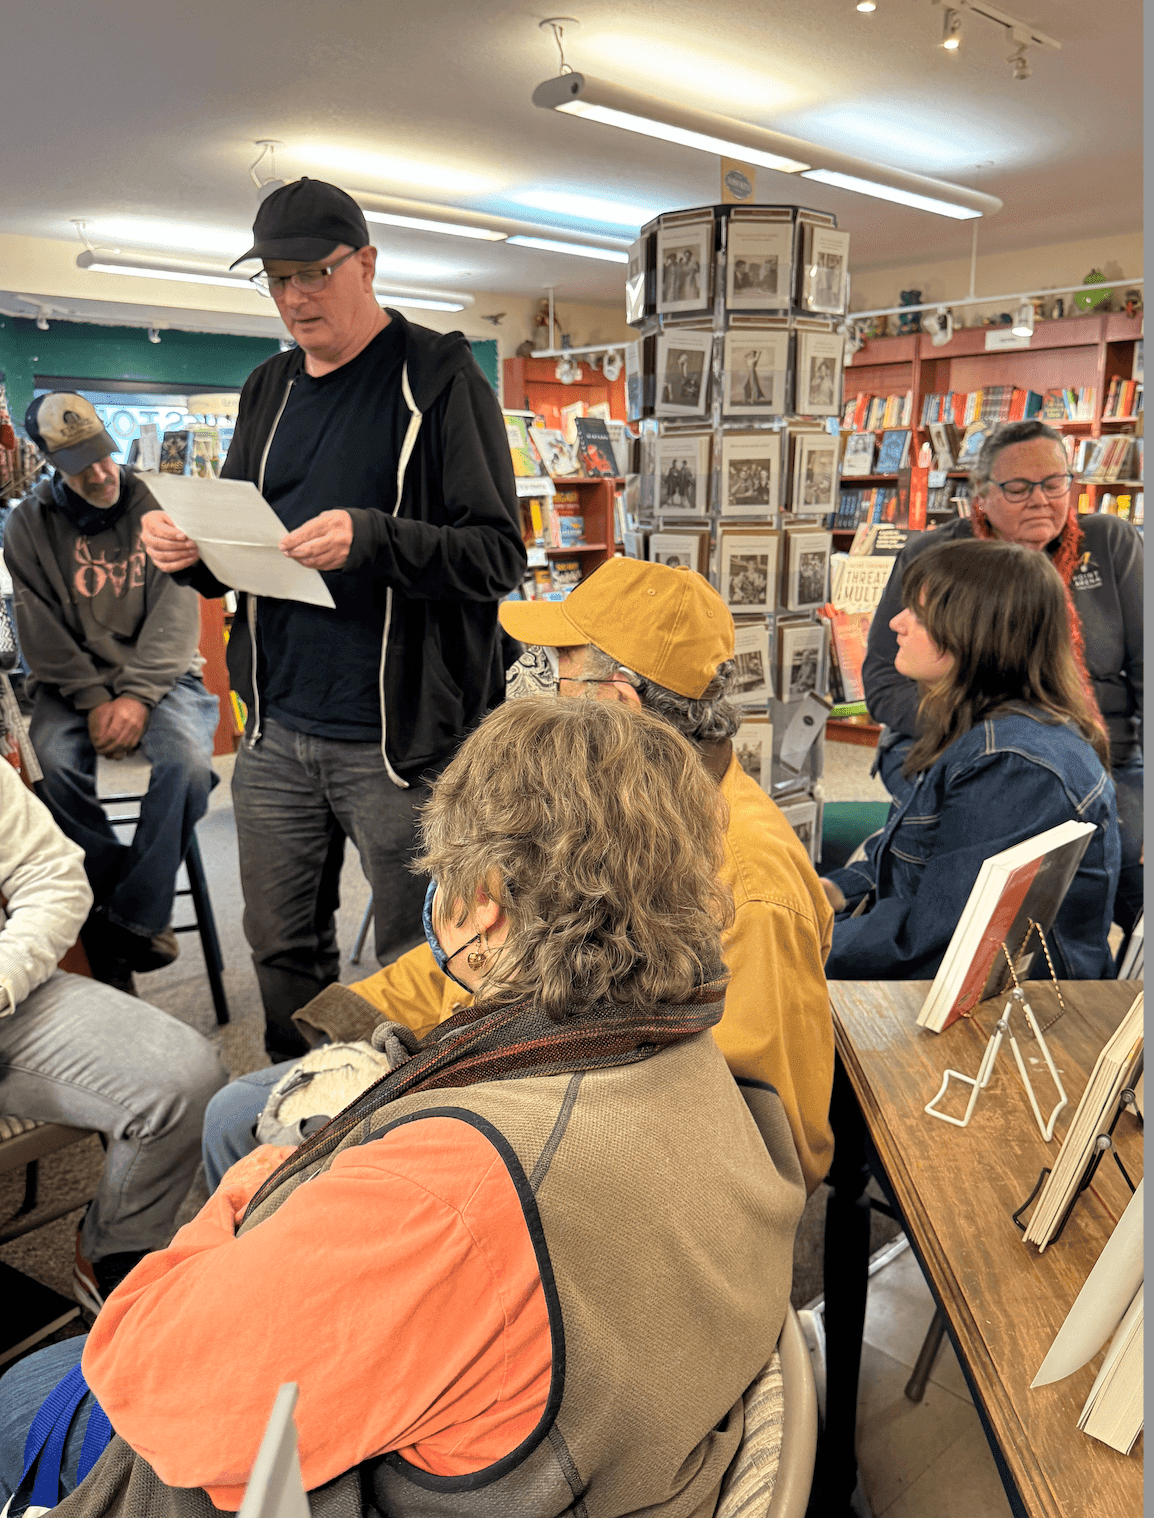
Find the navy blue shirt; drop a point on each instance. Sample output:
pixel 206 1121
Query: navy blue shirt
pixel 336 446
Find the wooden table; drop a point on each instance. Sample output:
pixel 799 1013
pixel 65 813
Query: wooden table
pixel 1003 1301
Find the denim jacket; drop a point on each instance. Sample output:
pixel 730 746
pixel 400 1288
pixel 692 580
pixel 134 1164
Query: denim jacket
pixel 1004 781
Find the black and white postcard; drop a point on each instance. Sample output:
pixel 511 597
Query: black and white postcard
pixel 753 685
pixel 682 463
pixel 755 370
pixel 750 473
pixel 683 360
pixel 818 385
pixel 753 748
pixel 680 550
pixel 802 818
pixel 815 487
pixel 806 568
pixel 685 266
pixel 748 568
pixel 825 267
pixel 759 265
pixel 800 647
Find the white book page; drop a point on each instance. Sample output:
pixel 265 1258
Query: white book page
pixel 1103 1301
pixel 237 532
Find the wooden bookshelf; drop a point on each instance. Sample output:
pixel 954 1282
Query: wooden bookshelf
pixel 1071 353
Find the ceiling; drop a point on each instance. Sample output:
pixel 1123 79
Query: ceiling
pixel 141 119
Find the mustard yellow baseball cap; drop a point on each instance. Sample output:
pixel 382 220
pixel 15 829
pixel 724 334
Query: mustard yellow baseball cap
pixel 669 625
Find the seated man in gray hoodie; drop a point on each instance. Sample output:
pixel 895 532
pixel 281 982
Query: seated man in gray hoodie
pixel 111 647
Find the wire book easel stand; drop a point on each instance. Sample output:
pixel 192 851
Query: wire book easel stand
pixel 1004 1030
pixel 1104 1143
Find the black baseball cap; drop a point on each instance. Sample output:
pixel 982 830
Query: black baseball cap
pixel 305 220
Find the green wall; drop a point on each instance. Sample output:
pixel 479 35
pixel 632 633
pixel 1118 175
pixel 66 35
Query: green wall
pixel 200 360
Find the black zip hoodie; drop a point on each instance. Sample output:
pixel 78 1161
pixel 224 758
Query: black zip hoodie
pixel 444 554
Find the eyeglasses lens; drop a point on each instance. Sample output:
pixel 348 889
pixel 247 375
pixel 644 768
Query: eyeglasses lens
pixel 1054 487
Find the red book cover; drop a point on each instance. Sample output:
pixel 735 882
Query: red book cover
pixel 1032 892
pixel 850 630
pixel 919 498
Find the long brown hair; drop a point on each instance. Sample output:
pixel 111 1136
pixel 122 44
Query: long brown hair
pixel 600 831
pixel 1000 610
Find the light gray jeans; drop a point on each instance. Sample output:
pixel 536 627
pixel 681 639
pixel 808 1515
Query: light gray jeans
pixel 82 1053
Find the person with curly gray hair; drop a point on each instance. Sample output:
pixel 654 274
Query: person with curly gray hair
pixel 1021 492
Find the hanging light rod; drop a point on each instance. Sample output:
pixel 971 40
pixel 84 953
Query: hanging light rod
pixel 185 271
pixel 990 300
pixel 423 216
pixel 576 94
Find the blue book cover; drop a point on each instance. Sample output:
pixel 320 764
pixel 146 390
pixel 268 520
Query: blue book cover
pixel 891 452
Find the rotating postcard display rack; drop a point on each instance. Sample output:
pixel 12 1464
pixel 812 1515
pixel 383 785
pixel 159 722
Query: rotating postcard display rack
pixel 735 383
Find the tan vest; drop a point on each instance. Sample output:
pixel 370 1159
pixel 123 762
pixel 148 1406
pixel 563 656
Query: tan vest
pixel 664 1216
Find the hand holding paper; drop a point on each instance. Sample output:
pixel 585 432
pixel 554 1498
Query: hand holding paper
pixel 238 536
pixel 322 543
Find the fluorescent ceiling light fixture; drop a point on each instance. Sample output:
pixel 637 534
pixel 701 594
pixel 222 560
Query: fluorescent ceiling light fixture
pixel 121 263
pixel 613 105
pixel 588 207
pixel 427 224
pixel 383 166
pixel 181 236
pixel 684 136
pixel 419 301
pixel 582 250
pixel 888 192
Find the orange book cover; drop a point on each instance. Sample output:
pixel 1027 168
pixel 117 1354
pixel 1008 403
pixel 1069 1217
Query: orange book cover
pixel 851 630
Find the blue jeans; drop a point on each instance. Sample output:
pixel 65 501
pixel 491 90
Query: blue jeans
pixel 22 1390
pixel 1128 791
pixel 83 1054
pixel 134 882
pixel 296 798
pixel 232 1115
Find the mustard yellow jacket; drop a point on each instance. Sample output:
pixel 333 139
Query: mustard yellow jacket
pixel 777 1025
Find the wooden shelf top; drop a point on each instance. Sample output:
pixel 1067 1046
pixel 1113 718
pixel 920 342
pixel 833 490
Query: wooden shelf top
pixel 577 548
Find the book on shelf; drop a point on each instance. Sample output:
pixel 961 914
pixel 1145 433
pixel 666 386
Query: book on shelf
pixel 894 452
pixel 1019 885
pixel 1114 1071
pixel 594 448
pixel 858 581
pixel 622 445
pixel 859 454
pixel 176 452
pixel 527 462
pixel 567 420
pixel 564 574
pixel 565 520
pixel 1108 1308
pixel 31 1312
pixel 946 441
pixel 1123 399
pixel 849 635
pixel 971 445
pixel 559 458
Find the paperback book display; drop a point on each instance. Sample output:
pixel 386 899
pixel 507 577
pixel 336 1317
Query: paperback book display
pixel 735 384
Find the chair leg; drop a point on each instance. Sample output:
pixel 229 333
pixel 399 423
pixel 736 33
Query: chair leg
pixel 31 1187
pixel 916 1385
pixel 206 927
pixel 358 947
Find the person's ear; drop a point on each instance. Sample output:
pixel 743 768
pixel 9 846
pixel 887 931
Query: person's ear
pixel 621 691
pixel 487 909
pixel 367 257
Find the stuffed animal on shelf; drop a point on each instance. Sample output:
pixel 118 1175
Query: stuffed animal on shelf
pixel 909 322
pixel 1133 303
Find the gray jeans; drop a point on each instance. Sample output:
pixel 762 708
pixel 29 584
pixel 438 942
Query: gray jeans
pixel 297 798
pixel 81 1053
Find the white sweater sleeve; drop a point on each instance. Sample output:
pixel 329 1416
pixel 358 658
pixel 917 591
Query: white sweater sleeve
pixel 42 879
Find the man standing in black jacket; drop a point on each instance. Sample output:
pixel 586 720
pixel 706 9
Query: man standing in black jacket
pixel 381 447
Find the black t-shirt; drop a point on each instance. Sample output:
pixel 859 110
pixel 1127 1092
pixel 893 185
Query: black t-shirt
pixel 336 446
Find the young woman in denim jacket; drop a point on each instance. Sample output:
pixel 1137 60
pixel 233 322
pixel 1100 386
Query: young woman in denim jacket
pixel 1009 747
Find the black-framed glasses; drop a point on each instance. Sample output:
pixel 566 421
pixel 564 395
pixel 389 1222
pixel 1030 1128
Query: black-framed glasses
pixel 309 281
pixel 1053 487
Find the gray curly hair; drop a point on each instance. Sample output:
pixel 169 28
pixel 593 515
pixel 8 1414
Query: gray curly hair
pixel 709 718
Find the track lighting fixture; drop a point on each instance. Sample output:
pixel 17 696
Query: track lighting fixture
pixel 1024 319
pixel 154 334
pixel 1019 64
pixel 41 321
pixel 951 30
pixel 611 366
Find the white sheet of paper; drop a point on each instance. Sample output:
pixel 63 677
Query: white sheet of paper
pixel 1103 1301
pixel 237 532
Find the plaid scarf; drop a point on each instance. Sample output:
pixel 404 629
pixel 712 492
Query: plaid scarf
pixel 1064 558
pixel 477 1044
